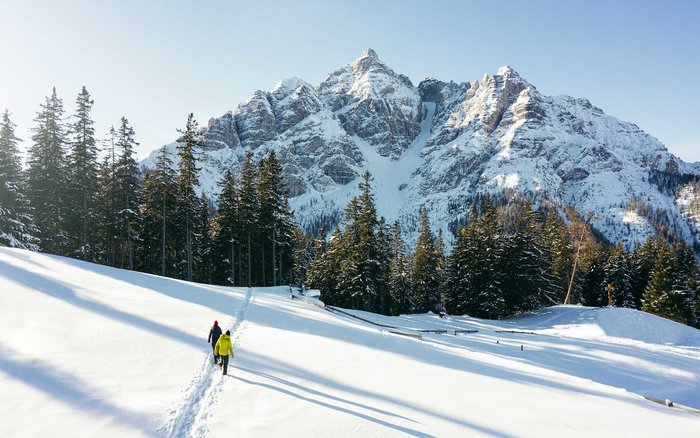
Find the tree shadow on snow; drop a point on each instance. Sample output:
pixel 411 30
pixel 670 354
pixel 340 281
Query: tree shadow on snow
pixel 70 390
pixel 215 297
pixel 218 298
pixel 358 333
pixel 321 394
pixel 278 367
pixel 64 292
pixel 609 364
pixel 277 387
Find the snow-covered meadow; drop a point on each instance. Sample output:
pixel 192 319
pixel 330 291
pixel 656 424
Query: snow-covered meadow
pixel 87 350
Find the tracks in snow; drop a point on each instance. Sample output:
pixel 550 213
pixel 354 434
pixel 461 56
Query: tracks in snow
pixel 189 418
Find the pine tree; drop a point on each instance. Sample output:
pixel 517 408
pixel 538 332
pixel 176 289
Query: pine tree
pixel 46 176
pixel 127 195
pixel 16 222
pixel 489 296
pixel 561 250
pixel 462 269
pixel 285 241
pixel 399 276
pixel 383 303
pixel 275 225
pixel 440 249
pixel 202 243
pixel 303 254
pixel 226 230
pixel 529 282
pixel 326 269
pixel 316 275
pixel 590 286
pixel 425 276
pixel 82 179
pixel 248 219
pixel 158 211
pixel 662 296
pixel 106 229
pixel 361 271
pixel 644 259
pixel 685 269
pixel 618 274
pixel 188 203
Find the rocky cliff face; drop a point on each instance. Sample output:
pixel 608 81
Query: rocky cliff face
pixel 374 103
pixel 441 143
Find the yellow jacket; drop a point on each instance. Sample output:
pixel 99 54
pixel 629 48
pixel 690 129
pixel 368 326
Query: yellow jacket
pixel 223 346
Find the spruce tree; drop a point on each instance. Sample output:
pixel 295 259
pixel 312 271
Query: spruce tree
pixel 188 203
pixel 275 224
pixel 399 275
pixel 590 286
pixel 463 268
pixel 361 271
pixel 16 222
pixel 285 241
pixel 383 303
pixel 528 280
pixel 46 176
pixel 302 255
pixel 425 276
pixel 662 296
pixel 560 249
pixel 106 231
pixel 685 270
pixel 488 293
pixel 644 258
pixel 158 211
pixel 202 243
pixel 248 220
pixel 82 179
pixel 619 275
pixel 127 195
pixel 226 231
pixel 326 269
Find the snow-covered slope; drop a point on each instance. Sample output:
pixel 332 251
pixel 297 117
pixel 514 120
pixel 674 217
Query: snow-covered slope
pixel 87 350
pixel 439 144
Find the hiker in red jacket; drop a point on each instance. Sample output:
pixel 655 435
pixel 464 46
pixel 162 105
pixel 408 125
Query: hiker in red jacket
pixel 214 334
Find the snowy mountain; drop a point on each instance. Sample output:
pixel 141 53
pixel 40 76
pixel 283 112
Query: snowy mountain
pixel 439 144
pixel 88 350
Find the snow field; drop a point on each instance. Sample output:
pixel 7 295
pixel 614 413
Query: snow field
pixel 88 350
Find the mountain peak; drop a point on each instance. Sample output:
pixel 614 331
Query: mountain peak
pixel 288 85
pixel 507 70
pixel 369 53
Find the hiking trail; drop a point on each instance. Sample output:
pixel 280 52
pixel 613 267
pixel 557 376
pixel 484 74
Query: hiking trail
pixel 189 418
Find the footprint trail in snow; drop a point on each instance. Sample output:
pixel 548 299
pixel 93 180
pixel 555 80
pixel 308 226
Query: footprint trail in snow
pixel 189 418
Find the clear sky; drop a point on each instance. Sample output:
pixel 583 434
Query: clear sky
pixel 154 61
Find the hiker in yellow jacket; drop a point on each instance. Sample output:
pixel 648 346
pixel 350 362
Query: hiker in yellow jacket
pixel 222 348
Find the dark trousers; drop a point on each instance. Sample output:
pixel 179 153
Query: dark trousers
pixel 216 356
pixel 224 362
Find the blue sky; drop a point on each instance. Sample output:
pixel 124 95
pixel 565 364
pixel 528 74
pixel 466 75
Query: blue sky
pixel 156 61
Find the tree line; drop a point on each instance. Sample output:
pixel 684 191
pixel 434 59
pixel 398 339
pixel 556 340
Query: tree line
pixel 507 257
pixel 70 202
pixel 505 260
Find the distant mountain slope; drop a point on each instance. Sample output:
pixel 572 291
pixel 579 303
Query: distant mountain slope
pixel 439 144
pixel 87 350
